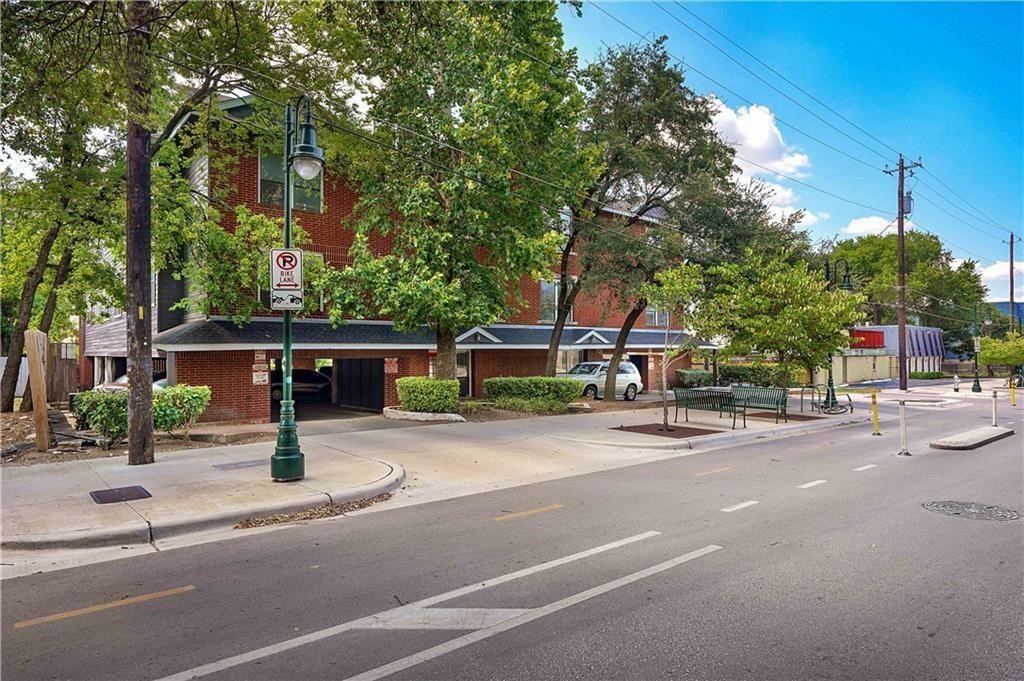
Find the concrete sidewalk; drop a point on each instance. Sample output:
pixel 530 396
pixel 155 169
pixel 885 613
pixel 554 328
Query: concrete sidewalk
pixel 48 506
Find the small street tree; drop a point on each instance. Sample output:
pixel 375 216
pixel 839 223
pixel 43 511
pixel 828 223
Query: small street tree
pixel 677 291
pixel 783 309
pixel 1007 351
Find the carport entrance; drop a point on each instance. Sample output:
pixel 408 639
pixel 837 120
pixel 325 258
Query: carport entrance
pixel 359 383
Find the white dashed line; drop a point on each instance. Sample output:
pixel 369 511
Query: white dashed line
pixel 864 468
pixel 730 509
pixel 812 483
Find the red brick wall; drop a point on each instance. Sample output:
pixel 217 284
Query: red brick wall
pixel 492 363
pixel 85 372
pixel 229 375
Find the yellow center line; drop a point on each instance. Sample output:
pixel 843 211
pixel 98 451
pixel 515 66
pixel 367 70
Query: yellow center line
pixel 103 606
pixel 542 509
pixel 717 470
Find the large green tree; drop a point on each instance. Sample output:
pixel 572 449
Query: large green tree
pixel 451 213
pixel 940 291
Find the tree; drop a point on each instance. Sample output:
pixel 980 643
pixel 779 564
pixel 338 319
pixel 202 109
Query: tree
pixel 782 309
pixel 940 291
pixel 677 291
pixel 1008 351
pixel 462 124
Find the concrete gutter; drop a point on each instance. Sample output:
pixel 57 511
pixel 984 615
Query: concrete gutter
pixel 972 439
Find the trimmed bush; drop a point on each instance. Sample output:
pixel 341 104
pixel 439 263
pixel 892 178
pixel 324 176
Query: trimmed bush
pixel 431 395
pixel 754 374
pixel 177 407
pixel 535 405
pixel 927 374
pixel 561 390
pixel 693 378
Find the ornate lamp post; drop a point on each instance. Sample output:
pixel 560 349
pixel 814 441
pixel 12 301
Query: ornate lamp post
pixel 846 284
pixel 976 386
pixel 302 154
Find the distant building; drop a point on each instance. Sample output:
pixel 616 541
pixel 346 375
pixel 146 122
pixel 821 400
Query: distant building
pixel 873 354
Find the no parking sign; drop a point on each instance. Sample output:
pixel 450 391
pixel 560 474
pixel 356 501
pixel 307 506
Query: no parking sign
pixel 286 279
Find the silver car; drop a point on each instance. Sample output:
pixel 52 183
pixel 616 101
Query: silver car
pixel 592 376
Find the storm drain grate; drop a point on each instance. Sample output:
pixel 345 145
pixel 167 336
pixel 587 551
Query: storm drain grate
pixel 116 494
pixel 973 510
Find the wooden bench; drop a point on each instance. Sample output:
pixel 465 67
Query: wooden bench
pixel 709 400
pixel 764 398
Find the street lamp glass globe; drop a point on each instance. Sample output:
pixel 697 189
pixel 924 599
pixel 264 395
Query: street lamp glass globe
pixel 307 167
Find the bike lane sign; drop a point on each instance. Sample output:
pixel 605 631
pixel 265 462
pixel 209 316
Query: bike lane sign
pixel 286 279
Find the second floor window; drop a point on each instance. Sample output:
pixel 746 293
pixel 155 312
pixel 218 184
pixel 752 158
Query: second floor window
pixel 549 302
pixel 656 317
pixel 308 194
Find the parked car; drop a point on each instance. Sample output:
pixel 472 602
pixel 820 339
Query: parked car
pixel 121 383
pixel 592 375
pixel 305 383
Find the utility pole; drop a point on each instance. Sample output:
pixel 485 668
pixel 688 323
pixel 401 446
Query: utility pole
pixel 903 206
pixel 1013 237
pixel 139 234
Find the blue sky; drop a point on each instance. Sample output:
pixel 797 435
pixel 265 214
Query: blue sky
pixel 940 81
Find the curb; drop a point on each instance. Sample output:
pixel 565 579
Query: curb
pixel 984 437
pixel 145 532
pixel 398 414
pixel 702 442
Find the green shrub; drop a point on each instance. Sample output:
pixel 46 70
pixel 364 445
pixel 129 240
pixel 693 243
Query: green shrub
pixel 754 374
pixel 562 390
pixel 534 405
pixel 432 395
pixel 176 407
pixel 104 412
pixel 469 406
pixel 693 378
pixel 927 374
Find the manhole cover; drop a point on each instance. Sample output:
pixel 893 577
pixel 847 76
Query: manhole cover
pixel 970 509
pixel 116 494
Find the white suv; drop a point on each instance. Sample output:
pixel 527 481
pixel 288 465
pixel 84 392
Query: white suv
pixel 592 376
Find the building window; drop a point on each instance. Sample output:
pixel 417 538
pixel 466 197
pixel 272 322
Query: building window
pixel 567 359
pixel 656 317
pixel 549 302
pixel 308 194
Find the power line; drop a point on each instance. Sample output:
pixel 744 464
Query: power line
pixel 707 77
pixel 956 217
pixel 755 75
pixel 811 186
pixel 950 189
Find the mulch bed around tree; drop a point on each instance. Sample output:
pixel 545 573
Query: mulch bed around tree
pixel 792 417
pixel 676 432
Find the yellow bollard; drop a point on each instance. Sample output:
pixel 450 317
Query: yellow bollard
pixel 874 412
pixel 1013 391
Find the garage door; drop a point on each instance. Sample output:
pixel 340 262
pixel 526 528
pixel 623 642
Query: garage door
pixel 360 383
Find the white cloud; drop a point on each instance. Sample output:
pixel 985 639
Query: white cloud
pixel 873 224
pixel 1000 271
pixel 784 203
pixel 752 131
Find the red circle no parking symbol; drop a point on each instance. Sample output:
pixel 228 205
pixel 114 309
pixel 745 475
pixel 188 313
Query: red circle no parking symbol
pixel 286 261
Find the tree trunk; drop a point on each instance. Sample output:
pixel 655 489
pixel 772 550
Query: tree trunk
pixel 561 317
pixel 620 349
pixel 444 364
pixel 46 321
pixel 9 384
pixel 139 236
pixel 664 384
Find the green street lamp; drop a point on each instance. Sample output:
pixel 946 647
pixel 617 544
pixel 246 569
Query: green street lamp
pixel 845 284
pixel 976 386
pixel 302 154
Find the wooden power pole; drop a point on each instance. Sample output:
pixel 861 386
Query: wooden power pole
pixel 138 231
pixel 902 208
pixel 1013 238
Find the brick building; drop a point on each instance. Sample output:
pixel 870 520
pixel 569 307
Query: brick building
pixel 365 356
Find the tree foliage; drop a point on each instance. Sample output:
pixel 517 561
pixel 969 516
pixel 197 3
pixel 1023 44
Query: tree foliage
pixel 1007 351
pixel 782 309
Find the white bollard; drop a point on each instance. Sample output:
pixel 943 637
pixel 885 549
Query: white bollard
pixel 995 397
pixel 903 430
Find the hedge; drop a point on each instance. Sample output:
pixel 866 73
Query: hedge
pixel 176 407
pixel 693 378
pixel 927 374
pixel 563 390
pixel 431 395
pixel 754 374
pixel 535 405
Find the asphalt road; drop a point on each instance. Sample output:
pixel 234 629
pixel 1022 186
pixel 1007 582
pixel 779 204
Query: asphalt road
pixel 657 571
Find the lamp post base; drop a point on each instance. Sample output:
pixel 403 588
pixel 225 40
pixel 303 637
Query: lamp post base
pixel 287 464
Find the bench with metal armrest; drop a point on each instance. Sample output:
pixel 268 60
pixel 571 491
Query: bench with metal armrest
pixel 709 400
pixel 764 398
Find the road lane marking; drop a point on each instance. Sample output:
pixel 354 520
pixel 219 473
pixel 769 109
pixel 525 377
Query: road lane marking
pixel 533 511
pixel 717 470
pixel 367 622
pixel 485 633
pixel 812 483
pixel 730 509
pixel 864 468
pixel 103 606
